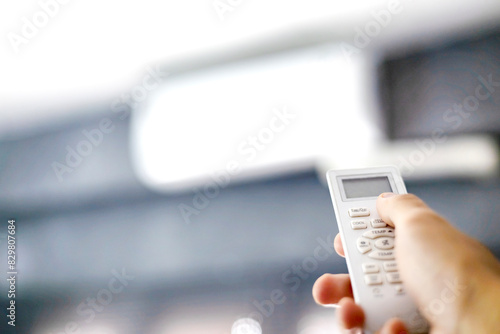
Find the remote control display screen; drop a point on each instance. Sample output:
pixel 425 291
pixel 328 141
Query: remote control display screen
pixel 366 187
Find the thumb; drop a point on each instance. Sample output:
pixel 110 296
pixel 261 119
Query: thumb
pixel 399 210
pixel 425 243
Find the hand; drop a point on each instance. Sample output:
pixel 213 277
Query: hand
pixel 454 279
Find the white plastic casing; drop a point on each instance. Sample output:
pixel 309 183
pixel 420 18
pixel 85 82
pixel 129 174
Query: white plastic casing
pixel 383 301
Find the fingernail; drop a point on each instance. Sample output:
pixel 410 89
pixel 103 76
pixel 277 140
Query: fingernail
pixel 387 195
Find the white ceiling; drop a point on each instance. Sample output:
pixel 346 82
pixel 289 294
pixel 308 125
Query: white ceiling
pixel 89 52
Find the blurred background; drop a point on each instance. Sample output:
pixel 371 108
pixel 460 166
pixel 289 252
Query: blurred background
pixel 165 161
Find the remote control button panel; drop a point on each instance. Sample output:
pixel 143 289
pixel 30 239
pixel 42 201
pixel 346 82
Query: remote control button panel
pixel 376 242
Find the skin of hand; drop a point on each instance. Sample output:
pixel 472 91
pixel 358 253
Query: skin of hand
pixel 453 278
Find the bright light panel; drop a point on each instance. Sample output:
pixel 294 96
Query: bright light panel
pixel 199 124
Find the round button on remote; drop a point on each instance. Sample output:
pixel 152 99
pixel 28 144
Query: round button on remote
pixel 384 243
pixel 363 245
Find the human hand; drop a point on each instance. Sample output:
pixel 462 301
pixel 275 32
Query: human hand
pixel 453 278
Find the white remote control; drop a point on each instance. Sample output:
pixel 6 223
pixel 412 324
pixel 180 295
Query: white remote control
pixel 369 245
